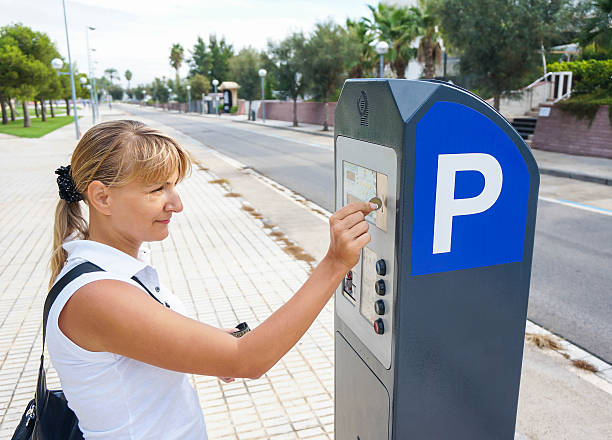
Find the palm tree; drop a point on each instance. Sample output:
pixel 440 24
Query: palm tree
pixel 398 26
pixel 128 76
pixel 111 73
pixel 429 52
pixel 364 36
pixel 176 58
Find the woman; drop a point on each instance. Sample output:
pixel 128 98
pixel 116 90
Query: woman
pixel 122 353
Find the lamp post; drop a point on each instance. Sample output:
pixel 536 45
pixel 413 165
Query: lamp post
pixel 57 64
pixel 215 83
pixel 169 97
pixel 93 109
pixel 262 75
pixel 92 88
pixel 188 98
pixel 381 49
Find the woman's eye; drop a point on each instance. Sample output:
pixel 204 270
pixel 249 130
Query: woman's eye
pixel 161 188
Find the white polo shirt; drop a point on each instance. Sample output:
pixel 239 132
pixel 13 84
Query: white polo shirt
pixel 113 396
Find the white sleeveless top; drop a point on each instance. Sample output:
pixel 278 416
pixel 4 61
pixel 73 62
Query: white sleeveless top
pixel 113 396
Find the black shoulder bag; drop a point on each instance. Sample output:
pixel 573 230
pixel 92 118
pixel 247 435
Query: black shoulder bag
pixel 47 416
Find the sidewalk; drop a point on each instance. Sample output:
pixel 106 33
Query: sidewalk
pixel 237 262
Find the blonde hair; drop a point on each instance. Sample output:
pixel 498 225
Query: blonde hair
pixel 114 153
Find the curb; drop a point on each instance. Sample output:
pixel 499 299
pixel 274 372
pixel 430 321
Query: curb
pixel 297 130
pixel 577 176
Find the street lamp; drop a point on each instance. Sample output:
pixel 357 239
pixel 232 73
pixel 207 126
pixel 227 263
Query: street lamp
pixel 93 107
pixel 57 64
pixel 93 93
pixel 381 49
pixel 215 83
pixel 188 98
pixel 262 75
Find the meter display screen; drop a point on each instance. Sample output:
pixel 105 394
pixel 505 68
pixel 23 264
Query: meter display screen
pixel 360 185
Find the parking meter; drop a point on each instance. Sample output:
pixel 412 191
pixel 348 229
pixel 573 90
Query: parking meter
pixel 429 325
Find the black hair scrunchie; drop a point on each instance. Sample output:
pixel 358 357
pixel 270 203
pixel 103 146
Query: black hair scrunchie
pixel 67 189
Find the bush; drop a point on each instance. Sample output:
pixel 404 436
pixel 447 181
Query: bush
pixel 234 109
pixel 587 76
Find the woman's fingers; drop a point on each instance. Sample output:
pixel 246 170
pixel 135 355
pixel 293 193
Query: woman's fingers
pixel 342 213
pixel 358 229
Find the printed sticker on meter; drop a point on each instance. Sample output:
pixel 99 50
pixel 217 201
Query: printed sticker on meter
pixel 363 184
pixel 471 188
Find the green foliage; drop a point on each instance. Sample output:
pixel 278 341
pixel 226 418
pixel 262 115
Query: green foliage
pixel 220 55
pixel 243 69
pixel 111 73
pixel 139 93
pixel 116 91
pixel 587 76
pixel 200 59
pixel 234 109
pixel 159 90
pixel 498 40
pixel 398 26
pixel 597 27
pixel 176 56
pixel 199 85
pixel 363 38
pixel 288 56
pixel 585 106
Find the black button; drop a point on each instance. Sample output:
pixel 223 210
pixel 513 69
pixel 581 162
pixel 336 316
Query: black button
pixel 381 268
pixel 380 287
pixel 157 289
pixel 379 327
pixel 379 307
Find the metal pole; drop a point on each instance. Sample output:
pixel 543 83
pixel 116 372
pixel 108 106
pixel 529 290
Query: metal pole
pixel 263 102
pixel 74 107
pixel 188 100
pixel 216 105
pixel 382 64
pixel 93 105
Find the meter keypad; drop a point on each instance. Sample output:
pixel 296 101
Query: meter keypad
pixel 380 287
pixel 379 327
pixel 379 307
pixel 381 268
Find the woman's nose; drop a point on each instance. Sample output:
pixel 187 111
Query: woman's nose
pixel 175 204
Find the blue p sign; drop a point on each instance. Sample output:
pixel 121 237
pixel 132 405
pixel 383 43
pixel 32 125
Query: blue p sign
pixel 471 190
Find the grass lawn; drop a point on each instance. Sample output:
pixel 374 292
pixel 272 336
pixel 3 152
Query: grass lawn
pixel 38 127
pixel 32 111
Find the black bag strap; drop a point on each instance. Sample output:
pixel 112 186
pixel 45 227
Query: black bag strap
pixel 72 274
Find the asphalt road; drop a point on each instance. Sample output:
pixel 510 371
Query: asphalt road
pixel 571 287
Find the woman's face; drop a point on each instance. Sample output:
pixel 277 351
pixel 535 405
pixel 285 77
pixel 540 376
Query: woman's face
pixel 142 212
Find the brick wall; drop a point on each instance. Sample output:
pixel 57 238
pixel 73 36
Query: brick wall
pixel 563 133
pixel 307 112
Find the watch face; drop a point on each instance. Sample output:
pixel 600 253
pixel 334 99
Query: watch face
pixel 243 328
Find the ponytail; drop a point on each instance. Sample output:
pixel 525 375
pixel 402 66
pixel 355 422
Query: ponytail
pixel 69 221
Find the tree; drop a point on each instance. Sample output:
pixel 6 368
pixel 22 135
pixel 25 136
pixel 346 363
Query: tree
pixel 597 27
pixel 288 56
pixel 111 73
pixel 499 48
pixel 363 38
pixel 429 52
pixel 140 92
pixel 326 56
pixel 159 90
pixel 200 59
pixel 220 55
pixel 176 58
pixel 128 77
pixel 243 68
pixel 199 85
pixel 33 68
pixel 398 26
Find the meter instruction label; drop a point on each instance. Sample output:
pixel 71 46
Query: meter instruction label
pixel 471 190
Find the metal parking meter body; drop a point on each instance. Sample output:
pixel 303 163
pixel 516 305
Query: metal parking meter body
pixel 429 325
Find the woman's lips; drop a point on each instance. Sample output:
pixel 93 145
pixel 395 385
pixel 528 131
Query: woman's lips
pixel 164 221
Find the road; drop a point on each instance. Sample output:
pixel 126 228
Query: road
pixel 571 287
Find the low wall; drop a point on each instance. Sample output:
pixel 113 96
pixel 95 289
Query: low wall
pixel 564 133
pixel 307 112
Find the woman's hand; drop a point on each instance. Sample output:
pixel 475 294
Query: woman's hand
pixel 349 234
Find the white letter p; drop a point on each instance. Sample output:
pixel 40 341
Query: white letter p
pixel 448 207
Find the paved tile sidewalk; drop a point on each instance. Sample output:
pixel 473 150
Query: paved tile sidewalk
pixel 218 259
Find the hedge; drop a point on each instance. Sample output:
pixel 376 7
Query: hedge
pixel 587 76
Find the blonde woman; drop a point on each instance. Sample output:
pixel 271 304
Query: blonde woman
pixel 119 340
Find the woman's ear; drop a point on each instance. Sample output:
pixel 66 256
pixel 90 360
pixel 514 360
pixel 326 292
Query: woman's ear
pixel 98 197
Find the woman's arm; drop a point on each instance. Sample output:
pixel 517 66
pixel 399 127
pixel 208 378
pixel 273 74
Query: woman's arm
pixel 114 316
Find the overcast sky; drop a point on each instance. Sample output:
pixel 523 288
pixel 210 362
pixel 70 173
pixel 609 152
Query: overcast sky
pixel 137 34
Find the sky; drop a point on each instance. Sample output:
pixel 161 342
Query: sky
pixel 138 34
